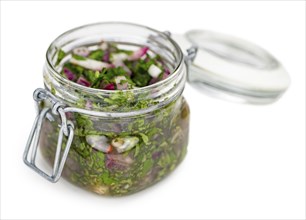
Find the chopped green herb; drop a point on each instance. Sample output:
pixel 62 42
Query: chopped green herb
pixel 147 166
pixel 61 54
pixel 96 55
pixel 144 138
pixel 78 57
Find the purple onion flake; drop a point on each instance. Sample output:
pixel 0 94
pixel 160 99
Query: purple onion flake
pixel 82 81
pixel 139 53
pixel 69 74
pixel 109 87
pixel 106 57
pixel 88 105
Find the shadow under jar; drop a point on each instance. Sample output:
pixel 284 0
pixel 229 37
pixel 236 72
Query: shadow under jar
pixel 152 122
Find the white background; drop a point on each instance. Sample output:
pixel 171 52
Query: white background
pixel 244 161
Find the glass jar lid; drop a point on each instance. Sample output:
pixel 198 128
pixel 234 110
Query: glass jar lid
pixel 232 68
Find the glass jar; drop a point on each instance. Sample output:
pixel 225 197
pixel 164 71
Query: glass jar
pixel 111 142
pixel 120 142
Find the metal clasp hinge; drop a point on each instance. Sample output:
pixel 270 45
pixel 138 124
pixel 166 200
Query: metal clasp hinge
pixel 191 54
pixel 67 129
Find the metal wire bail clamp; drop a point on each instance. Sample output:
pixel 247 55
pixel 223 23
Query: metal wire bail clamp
pixel 66 128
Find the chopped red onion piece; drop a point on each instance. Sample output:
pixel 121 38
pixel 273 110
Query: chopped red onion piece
pixel 69 74
pixel 91 64
pixel 81 51
pixel 138 54
pixel 166 74
pixel 82 81
pixel 119 56
pixel 110 86
pixel 103 45
pixel 88 105
pixel 153 80
pixel 121 86
pixel 106 57
pixel 118 161
pixel 69 115
pixel 154 71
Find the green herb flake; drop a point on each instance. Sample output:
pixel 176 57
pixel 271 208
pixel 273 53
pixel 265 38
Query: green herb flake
pixel 144 138
pixel 53 91
pixel 137 149
pixel 78 57
pixel 60 55
pixel 96 55
pixel 106 178
pixel 147 166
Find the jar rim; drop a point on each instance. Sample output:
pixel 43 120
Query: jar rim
pixel 175 71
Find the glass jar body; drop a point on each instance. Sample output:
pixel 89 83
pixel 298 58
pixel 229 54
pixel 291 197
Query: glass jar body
pixel 162 143
pixel 124 141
